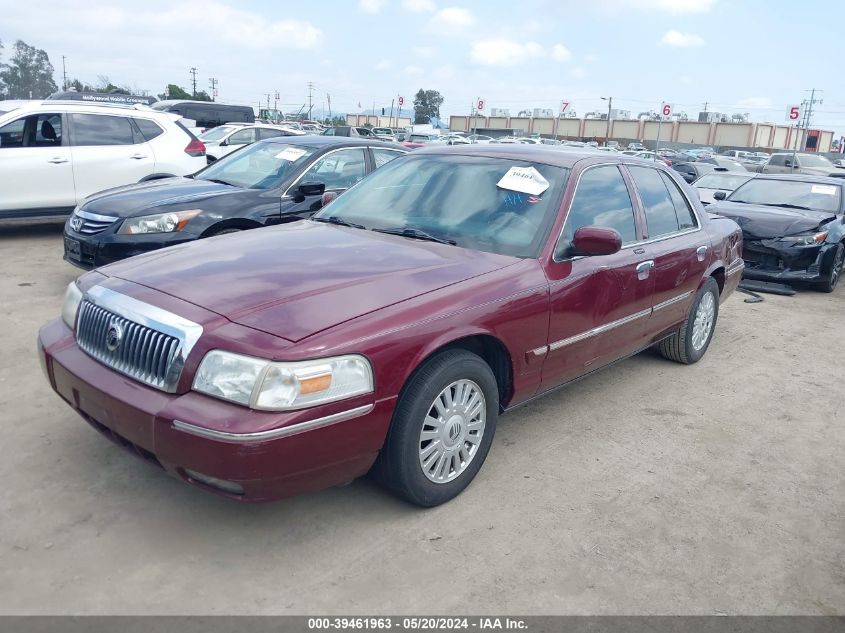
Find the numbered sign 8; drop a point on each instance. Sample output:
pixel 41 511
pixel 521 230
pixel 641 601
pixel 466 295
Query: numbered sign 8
pixel 793 113
pixel 666 109
pixel 481 104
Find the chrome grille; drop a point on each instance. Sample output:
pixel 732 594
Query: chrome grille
pixel 90 223
pixel 141 352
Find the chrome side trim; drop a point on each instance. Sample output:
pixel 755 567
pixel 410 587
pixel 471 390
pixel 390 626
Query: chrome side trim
pixel 599 330
pixel 95 216
pixel 673 300
pixel 736 267
pixel 272 434
pixel 540 351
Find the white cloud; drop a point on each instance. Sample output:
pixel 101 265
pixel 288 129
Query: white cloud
pixel 452 20
pixel 419 6
pixel 424 52
pixel 684 40
pixel 501 52
pixel 755 102
pixel 384 64
pixel 578 73
pixel 371 6
pixel 591 59
pixel 412 71
pixel 560 53
pixel 670 6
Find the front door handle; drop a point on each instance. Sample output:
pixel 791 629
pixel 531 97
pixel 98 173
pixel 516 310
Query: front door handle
pixel 57 160
pixel 138 156
pixel 644 268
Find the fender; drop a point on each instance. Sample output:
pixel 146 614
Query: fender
pixel 157 177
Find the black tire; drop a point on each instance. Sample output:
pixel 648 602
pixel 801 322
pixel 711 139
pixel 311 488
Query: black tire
pixel 398 466
pixel 679 346
pixel 829 284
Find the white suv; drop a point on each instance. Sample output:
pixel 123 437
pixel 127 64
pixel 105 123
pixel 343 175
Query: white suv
pixel 53 154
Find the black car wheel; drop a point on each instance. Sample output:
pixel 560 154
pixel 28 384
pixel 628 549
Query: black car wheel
pixel 441 431
pixel 689 344
pixel 829 284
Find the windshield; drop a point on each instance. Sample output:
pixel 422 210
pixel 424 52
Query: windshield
pixel 217 133
pixel 257 166
pixel 811 160
pixel 819 197
pixel 721 181
pixel 454 197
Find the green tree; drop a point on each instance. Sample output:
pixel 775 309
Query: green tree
pixel 427 105
pixel 29 75
pixel 80 87
pixel 177 92
pixel 2 87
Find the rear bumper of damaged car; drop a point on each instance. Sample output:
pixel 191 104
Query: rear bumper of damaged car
pixel 771 260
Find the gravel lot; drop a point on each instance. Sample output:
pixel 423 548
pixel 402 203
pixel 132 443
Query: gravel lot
pixel 650 488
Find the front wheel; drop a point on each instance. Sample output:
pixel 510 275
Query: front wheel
pixel 829 284
pixel 689 343
pixel 442 429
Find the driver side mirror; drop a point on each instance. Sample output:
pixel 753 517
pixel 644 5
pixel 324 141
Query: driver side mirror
pixel 224 143
pixel 720 195
pixel 593 241
pixel 308 189
pixel 787 163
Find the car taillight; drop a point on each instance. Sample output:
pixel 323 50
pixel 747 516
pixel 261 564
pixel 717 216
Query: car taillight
pixel 195 148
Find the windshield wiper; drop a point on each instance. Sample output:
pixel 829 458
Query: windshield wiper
pixel 338 221
pixel 219 182
pixel 417 234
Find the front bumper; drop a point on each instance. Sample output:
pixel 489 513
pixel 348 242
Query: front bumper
pixel 292 452
pixel 771 260
pixel 91 251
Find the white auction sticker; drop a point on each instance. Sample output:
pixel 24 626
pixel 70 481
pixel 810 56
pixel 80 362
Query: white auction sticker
pixel 525 180
pixel 291 154
pixel 827 190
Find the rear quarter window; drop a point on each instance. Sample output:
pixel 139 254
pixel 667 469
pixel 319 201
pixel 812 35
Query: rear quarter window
pixel 149 129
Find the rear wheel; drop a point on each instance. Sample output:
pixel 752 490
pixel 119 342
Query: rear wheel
pixel 689 343
pixel 829 284
pixel 442 429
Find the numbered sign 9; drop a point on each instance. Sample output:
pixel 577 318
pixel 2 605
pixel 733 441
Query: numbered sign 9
pixel 401 101
pixel 793 113
pixel 666 110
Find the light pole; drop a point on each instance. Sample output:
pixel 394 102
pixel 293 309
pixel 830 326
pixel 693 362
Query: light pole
pixel 607 130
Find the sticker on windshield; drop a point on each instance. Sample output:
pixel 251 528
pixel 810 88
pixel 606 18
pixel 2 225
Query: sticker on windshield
pixel 291 154
pixel 525 180
pixel 827 190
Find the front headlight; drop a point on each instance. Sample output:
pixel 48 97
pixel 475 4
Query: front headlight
pixel 159 223
pixel 282 386
pixel 807 240
pixel 70 306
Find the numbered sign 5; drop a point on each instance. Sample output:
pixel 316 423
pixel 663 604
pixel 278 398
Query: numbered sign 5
pixel 666 109
pixel 401 101
pixel 481 104
pixel 793 113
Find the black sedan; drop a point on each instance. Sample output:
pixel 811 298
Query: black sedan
pixel 269 182
pixel 693 170
pixel 793 227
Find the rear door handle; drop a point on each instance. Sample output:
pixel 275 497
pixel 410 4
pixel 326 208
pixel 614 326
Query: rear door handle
pixel 644 268
pixel 138 156
pixel 701 251
pixel 56 160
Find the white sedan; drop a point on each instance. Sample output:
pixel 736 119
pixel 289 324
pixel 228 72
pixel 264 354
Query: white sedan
pixel 225 139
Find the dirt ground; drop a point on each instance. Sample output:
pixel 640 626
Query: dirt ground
pixel 649 488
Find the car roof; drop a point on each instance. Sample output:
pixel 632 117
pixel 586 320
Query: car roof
pixel 537 153
pixel 59 105
pixel 319 141
pixel 822 180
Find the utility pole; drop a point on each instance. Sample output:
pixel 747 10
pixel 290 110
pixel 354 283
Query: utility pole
pixel 268 104
pixel 801 136
pixel 276 106
pixel 64 74
pixel 194 80
pixel 607 130
pixel 212 84
pixel 390 124
pixel 310 94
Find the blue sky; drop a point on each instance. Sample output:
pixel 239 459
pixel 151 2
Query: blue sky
pixel 755 56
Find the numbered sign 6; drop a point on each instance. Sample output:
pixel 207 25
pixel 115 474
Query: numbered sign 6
pixel 666 109
pixel 481 104
pixel 793 113
pixel 401 101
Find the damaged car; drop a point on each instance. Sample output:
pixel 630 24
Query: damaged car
pixel 793 228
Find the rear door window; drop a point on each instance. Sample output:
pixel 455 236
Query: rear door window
pixel 659 209
pixel 266 132
pixel 242 137
pixel 98 129
pixel 686 217
pixel 384 156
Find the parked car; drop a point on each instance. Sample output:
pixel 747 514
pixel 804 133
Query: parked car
pixel 809 164
pixel 389 332
pixel 479 138
pixel 691 171
pixel 273 181
pixel 349 130
pixel 652 156
pixel 735 154
pixel 384 133
pixel 724 163
pixel 793 227
pixel 719 180
pixel 225 139
pixel 55 153
pixel 207 114
pixel 639 147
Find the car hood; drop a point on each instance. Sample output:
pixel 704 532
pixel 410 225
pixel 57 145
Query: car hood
pixel 147 197
pixel 762 222
pixel 297 279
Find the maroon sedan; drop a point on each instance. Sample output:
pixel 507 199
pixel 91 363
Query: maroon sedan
pixel 389 332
